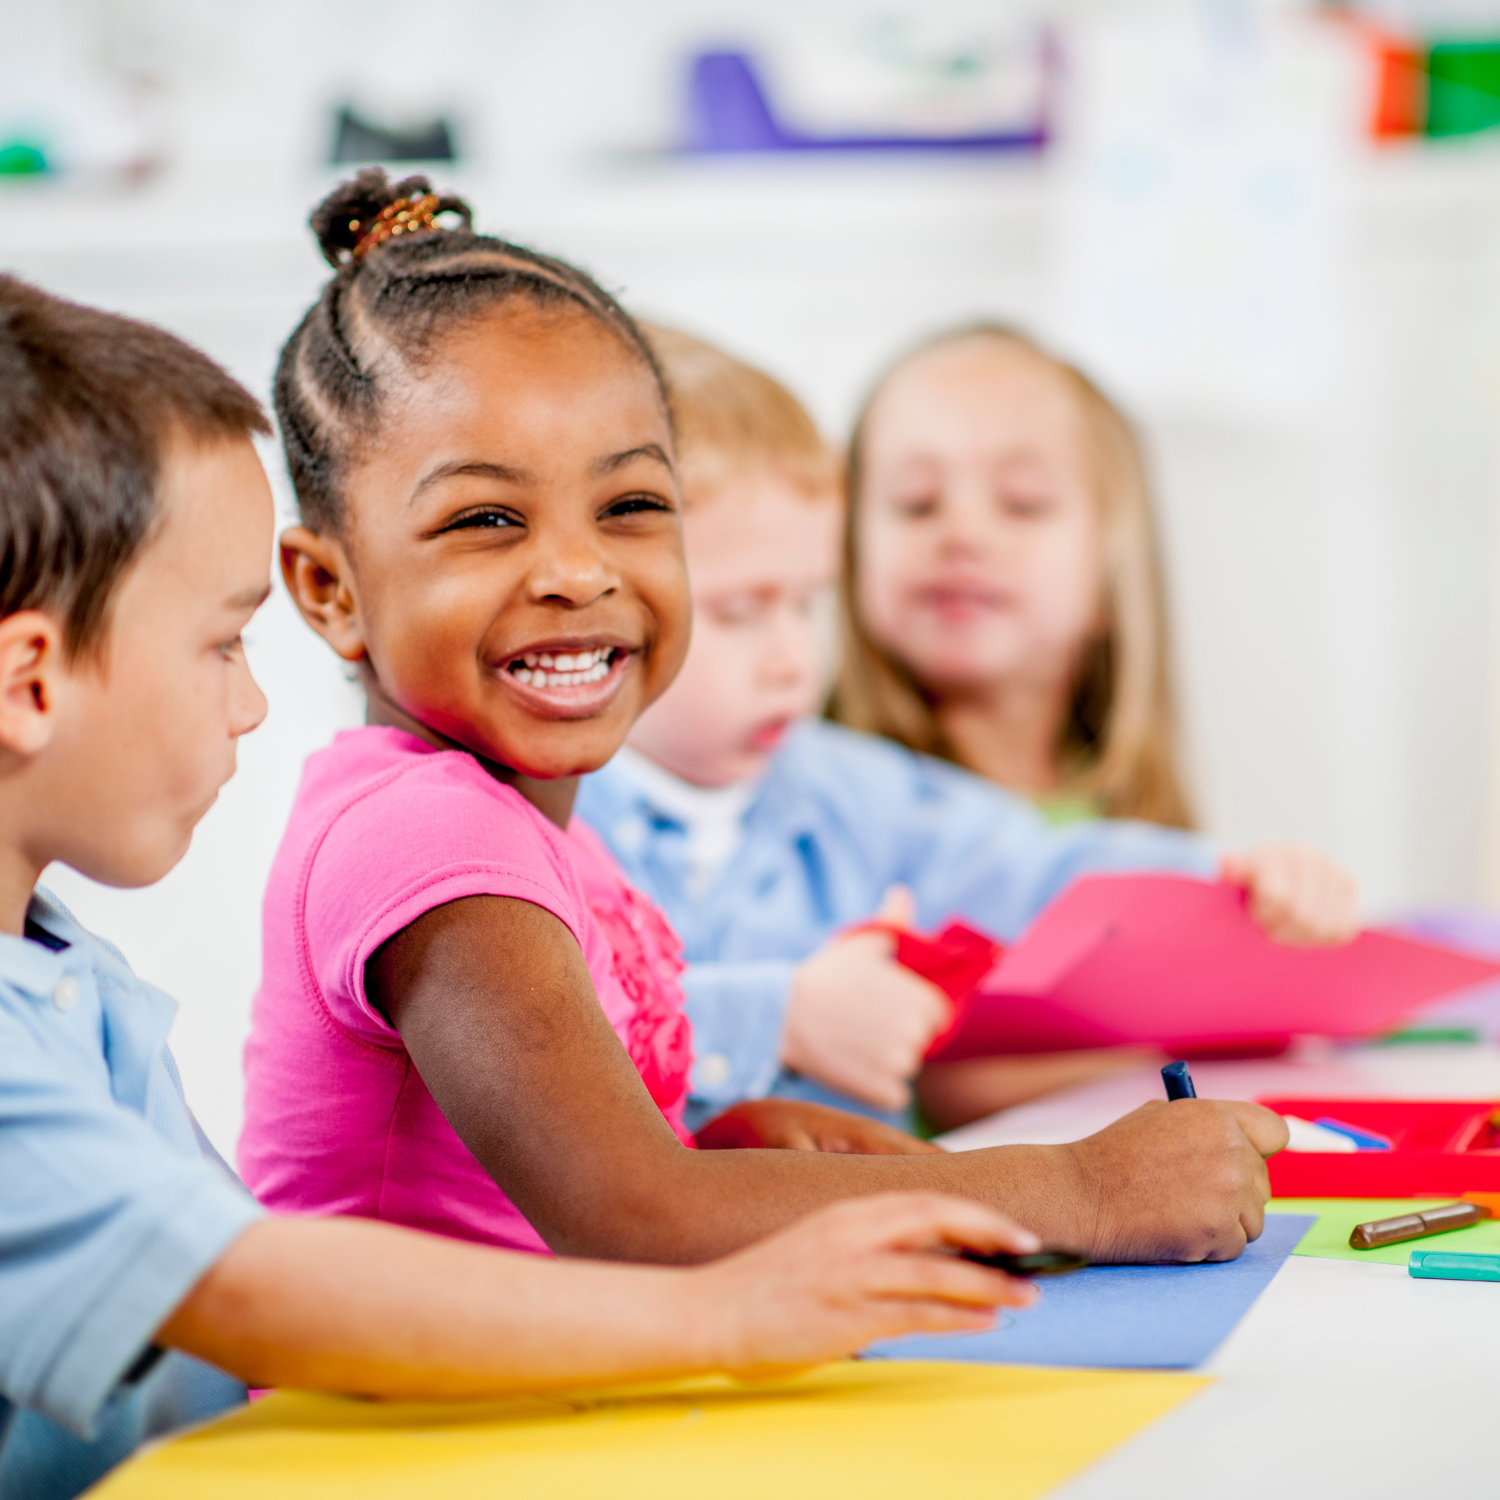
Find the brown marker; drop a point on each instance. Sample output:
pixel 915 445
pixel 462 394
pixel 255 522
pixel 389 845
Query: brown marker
pixel 1416 1226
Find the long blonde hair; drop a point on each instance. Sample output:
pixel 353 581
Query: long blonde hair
pixel 1119 741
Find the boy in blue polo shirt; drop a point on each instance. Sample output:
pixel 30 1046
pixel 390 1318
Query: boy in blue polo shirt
pixel 135 537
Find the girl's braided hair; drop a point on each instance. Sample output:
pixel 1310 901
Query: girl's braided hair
pixel 391 297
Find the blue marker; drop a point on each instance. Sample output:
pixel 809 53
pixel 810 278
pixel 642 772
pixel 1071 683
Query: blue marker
pixel 1179 1081
pixel 1449 1265
pixel 1366 1140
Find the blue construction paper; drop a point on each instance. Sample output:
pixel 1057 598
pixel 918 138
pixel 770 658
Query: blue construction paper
pixel 1122 1317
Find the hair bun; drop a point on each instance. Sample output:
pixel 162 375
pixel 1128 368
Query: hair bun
pixel 346 215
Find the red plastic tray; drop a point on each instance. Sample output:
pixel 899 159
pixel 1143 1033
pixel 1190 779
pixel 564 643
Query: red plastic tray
pixel 1440 1147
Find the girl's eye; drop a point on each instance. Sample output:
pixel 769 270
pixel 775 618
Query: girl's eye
pixel 1026 507
pixel 230 649
pixel 916 507
pixel 634 505
pixel 483 519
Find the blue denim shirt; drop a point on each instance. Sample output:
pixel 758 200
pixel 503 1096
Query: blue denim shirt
pixel 112 1205
pixel 838 818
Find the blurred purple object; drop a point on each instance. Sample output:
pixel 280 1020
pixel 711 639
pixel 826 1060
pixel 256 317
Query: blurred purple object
pixel 1470 930
pixel 728 112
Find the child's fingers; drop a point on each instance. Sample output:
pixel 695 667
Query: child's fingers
pixel 1323 905
pixel 933 1277
pixel 924 1221
pixel 877 1318
pixel 1338 905
pixel 884 1088
pixel 873 1138
pixel 933 1317
pixel 1273 888
pixel 898 907
pixel 1264 1129
pixel 1296 895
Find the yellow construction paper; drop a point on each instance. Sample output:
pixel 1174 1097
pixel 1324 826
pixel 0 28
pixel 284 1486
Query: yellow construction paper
pixel 875 1430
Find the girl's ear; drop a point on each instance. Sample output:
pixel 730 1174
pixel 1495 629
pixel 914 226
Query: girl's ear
pixel 31 663
pixel 320 581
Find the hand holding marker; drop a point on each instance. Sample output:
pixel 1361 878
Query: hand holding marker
pixel 1179 1085
pixel 1438 1220
pixel 1323 1134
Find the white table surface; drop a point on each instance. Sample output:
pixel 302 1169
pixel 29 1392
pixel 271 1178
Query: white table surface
pixel 1343 1379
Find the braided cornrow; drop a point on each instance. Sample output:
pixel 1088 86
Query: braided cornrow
pixel 381 312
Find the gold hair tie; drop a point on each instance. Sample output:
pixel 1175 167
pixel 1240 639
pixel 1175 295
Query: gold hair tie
pixel 404 216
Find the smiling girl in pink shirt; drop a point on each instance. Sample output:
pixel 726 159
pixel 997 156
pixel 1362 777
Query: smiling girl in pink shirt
pixel 468 1020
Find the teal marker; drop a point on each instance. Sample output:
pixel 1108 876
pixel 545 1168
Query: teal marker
pixel 1448 1265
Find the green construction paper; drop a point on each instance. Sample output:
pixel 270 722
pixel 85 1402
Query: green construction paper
pixel 1329 1237
pixel 1463 87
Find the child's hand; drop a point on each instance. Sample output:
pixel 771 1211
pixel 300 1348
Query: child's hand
pixel 1296 894
pixel 1184 1181
pixel 799 1125
pixel 868 1269
pixel 860 1022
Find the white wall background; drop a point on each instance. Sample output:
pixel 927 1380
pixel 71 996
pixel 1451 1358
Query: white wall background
pixel 1327 461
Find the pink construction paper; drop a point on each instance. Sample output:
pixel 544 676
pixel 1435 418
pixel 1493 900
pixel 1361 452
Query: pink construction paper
pixel 1177 962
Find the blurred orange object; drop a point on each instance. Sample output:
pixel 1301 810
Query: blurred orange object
pixel 1401 90
pixel 1398 97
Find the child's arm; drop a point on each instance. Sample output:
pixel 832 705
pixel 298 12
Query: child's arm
pixel 801 1125
pixel 953 1094
pixel 372 1309
pixel 971 849
pixel 494 1002
pixel 848 1016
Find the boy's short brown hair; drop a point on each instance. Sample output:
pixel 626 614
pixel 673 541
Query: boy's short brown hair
pixel 88 402
pixel 732 418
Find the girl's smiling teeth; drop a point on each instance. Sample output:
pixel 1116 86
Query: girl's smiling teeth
pixel 562 669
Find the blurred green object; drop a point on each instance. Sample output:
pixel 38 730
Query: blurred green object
pixel 21 159
pixel 1463 94
pixel 1428 1034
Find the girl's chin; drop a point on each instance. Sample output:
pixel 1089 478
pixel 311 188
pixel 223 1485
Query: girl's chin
pixel 944 675
pixel 559 747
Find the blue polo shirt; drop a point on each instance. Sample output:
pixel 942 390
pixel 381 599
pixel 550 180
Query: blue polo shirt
pixel 112 1206
pixel 838 818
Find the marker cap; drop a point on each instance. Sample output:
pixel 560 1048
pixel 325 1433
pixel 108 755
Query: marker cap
pixel 1448 1265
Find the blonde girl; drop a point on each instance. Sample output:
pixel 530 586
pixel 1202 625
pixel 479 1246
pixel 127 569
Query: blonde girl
pixel 1003 600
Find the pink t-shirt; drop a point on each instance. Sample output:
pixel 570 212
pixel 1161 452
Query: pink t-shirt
pixel 384 829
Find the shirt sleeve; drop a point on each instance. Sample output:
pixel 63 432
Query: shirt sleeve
pixel 978 852
pixel 440 832
pixel 738 1011
pixel 104 1229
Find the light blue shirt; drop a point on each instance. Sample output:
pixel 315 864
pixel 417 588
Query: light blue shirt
pixel 112 1205
pixel 838 818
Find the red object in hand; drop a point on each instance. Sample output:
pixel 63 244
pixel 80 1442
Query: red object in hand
pixel 954 959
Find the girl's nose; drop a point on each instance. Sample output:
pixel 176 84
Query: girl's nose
pixel 965 523
pixel 570 569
